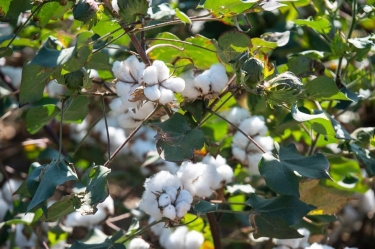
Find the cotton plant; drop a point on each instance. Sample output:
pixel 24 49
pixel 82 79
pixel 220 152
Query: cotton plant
pixel 206 85
pixel 246 151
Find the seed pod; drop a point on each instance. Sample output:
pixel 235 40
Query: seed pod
pixel 74 80
pixel 85 10
pixel 285 88
pixel 253 71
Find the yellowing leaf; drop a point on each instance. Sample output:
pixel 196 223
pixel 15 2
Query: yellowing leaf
pixel 326 201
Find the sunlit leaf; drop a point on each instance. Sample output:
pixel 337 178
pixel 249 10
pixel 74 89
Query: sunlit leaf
pixel 320 24
pixel 37 117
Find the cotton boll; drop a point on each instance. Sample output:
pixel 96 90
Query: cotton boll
pixel 138 243
pixel 123 88
pixel 218 77
pixel 265 142
pixel 121 71
pixel 236 115
pixel 107 205
pixel 144 111
pixel 117 106
pixel 172 192
pixel 191 177
pixel 226 172
pixel 182 208
pixel 165 235
pixel 240 141
pixel 194 240
pixel 163 70
pixel 367 202
pixel 140 148
pixel 185 196
pixel 254 126
pixel 150 75
pixel 151 208
pixel 174 84
pixel 127 120
pixel 164 200
pixel 9 188
pixel 176 239
pixel 136 68
pixel 218 161
pixel 304 242
pixel 239 154
pixel 168 166
pixel 318 246
pixel 189 91
pixel 252 162
pixel 287 243
pixel 115 6
pixel 25 238
pixel 169 212
pixel 162 180
pixel 166 96
pixel 203 83
pixel 158 228
pixel 152 92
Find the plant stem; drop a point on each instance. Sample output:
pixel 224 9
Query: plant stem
pixel 215 230
pixel 130 137
pixel 238 129
pixel 313 145
pixel 106 128
pixel 180 41
pixel 163 45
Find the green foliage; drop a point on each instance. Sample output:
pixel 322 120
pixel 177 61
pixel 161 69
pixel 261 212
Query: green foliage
pixel 176 141
pixel 320 24
pixel 38 116
pixel 132 10
pixel 280 175
pixel 76 109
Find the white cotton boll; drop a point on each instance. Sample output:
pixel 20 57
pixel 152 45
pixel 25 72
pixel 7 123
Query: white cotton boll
pixel 252 163
pixel 140 148
pixel 14 73
pixel 176 239
pixel 185 196
pixel 138 243
pixel 182 208
pixel 194 240
pixel 163 70
pixel 169 212
pixel 9 188
pixel 23 239
pixel 367 202
pixel 191 177
pixel 115 6
pixel 158 228
pixel 116 106
pixel 226 173
pixel 236 115
pixel 240 141
pixel 143 111
pixel 164 200
pixel 165 236
pixel 218 161
pixel 175 84
pixel 121 71
pixel 107 205
pixel 136 67
pixel 254 126
pixel 265 142
pixel 166 96
pixel 218 77
pixel 123 88
pixel 189 91
pixel 152 92
pixel 161 181
pixel 304 242
pixel 203 83
pixel 172 192
pixel 238 153
pixel 151 208
pixel 287 243
pixel 150 75
pixel 55 89
pixel 168 166
pixel 126 121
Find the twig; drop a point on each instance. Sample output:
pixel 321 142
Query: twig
pixel 130 137
pixel 106 128
pixel 313 145
pixel 215 230
pixel 104 94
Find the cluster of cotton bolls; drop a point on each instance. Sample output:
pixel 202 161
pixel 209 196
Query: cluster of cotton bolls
pixel 171 196
pixel 154 82
pixel 206 85
pixel 76 219
pixel 242 148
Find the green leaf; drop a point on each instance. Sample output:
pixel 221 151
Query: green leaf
pixel 176 141
pixel 261 45
pixel 4 7
pixel 202 53
pixel 76 109
pixel 50 10
pixel 107 25
pixel 34 79
pixel 132 10
pixel 231 44
pixel 196 108
pixel 338 44
pixel 37 117
pixel 363 45
pixel 273 217
pixel 365 156
pixel 183 17
pixel 203 207
pixel 6 52
pixel 279 173
pixel 320 24
pixel 15 8
pixel 227 8
pixel 71 59
pixel 301 66
pixel 324 88
pixel 46 178
pixel 365 136
pixel 133 227
pixel 64 206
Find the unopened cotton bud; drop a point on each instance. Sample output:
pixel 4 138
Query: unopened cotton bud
pixel 152 92
pixel 163 70
pixel 150 75
pixel 202 82
pixel 164 200
pixel 253 69
pixel 182 208
pixel 184 195
pixel 172 192
pixel 169 212
pixel 166 96
pixel 175 84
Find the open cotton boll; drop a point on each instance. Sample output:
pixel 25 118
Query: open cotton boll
pixel 121 72
pixel 152 92
pixel 236 115
pixel 194 240
pixel 182 208
pixel 126 120
pixel 185 196
pixel 240 141
pixel 252 163
pixel 164 200
pixel 265 142
pixel 9 188
pixel 123 88
pixel 140 148
pixel 218 77
pixel 218 161
pixel 177 238
pixel 239 153
pixel 175 84
pixel 189 91
pixel 135 67
pixel 367 202
pixel 161 181
pixel 254 126
pixel 166 96
pixel 164 237
pixel 172 192
pixel 226 172
pixel 168 166
pixel 117 106
pixel 150 75
pixel 23 239
pixel 163 70
pixel 158 228
pixel 203 83
pixel 143 111
pixel 138 243
pixel 169 212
